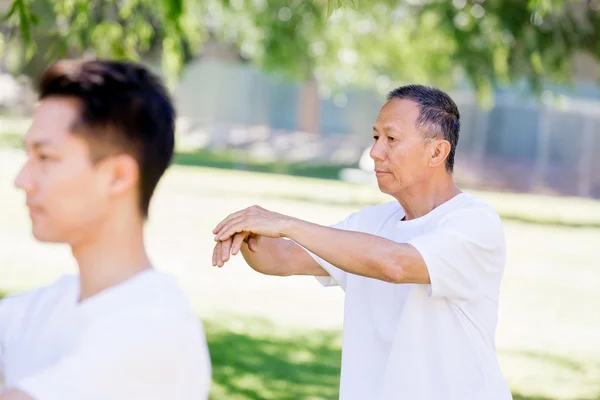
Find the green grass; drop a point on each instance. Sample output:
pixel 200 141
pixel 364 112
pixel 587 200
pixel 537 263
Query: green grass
pixel 254 359
pixel 233 159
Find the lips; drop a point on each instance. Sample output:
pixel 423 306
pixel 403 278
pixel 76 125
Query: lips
pixel 34 210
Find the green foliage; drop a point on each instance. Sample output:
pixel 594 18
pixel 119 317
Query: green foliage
pixel 499 41
pixel 373 43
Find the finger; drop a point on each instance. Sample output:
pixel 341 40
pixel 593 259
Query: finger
pixel 231 228
pixel 229 218
pixel 238 239
pixel 216 251
pixel 220 261
pixel 225 251
pixel 253 243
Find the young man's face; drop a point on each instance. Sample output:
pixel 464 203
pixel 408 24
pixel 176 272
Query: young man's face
pixel 67 194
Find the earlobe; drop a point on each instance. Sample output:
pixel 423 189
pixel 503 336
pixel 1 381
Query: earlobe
pixel 439 153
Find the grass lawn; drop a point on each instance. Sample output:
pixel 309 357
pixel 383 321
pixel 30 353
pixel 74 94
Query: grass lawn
pixel 280 338
pixel 254 358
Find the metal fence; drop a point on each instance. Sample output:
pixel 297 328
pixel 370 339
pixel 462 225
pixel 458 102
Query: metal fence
pixel 531 146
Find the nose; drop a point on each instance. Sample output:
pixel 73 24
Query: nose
pixel 377 152
pixel 24 179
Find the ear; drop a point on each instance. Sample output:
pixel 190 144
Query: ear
pixel 439 151
pixel 123 173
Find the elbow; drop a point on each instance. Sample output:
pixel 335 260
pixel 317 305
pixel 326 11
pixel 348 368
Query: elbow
pixel 395 270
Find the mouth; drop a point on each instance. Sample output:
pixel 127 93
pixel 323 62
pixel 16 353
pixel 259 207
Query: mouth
pixel 34 211
pixel 379 172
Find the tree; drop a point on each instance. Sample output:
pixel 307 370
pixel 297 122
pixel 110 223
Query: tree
pixel 339 42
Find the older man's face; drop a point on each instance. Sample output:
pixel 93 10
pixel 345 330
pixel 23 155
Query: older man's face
pixel 400 152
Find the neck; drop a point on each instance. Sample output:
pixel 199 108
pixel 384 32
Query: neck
pixel 418 200
pixel 112 254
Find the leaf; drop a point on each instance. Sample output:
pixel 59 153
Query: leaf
pixel 330 8
pixel 35 20
pixel 174 9
pixel 13 9
pixel 536 63
pixel 31 48
pixel 25 21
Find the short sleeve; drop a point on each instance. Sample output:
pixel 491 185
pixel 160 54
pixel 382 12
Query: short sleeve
pixel 465 254
pixel 3 332
pixel 123 357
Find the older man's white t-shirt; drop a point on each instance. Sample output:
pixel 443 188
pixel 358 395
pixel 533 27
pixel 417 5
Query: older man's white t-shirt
pixel 426 342
pixel 137 340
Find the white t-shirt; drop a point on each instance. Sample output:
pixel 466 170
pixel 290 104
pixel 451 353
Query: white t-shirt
pixel 426 342
pixel 137 340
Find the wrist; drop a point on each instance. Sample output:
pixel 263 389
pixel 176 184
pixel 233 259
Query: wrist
pixel 290 227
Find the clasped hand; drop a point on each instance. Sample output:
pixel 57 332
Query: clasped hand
pixel 245 226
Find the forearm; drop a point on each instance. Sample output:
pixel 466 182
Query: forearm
pixel 268 257
pixel 358 253
pixel 280 257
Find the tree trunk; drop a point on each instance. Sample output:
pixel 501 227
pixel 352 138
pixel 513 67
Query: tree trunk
pixel 309 118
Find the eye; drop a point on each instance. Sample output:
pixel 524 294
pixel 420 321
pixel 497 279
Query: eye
pixel 375 138
pixel 391 139
pixel 43 157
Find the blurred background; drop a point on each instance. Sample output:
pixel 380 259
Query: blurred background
pixel 275 102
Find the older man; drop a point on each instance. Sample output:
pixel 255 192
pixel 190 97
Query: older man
pixel 421 273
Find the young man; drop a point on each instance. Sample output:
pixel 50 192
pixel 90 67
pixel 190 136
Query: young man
pixel 421 273
pixel 101 138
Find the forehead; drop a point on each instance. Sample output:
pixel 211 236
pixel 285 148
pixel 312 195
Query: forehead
pixel 397 114
pixel 53 120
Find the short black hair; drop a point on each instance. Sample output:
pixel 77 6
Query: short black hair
pixel 122 104
pixel 438 114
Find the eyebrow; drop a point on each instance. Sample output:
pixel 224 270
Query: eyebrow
pixel 386 130
pixel 36 144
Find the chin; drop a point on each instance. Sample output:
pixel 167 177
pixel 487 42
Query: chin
pixel 45 236
pixel 391 191
pixel 383 188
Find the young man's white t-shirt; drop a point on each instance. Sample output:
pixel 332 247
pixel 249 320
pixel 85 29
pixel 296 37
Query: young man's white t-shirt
pixel 137 340
pixel 433 341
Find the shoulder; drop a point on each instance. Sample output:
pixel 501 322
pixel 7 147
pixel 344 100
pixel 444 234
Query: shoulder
pixel 160 293
pixel 474 218
pixel 18 310
pixel 471 208
pixel 41 295
pixel 156 306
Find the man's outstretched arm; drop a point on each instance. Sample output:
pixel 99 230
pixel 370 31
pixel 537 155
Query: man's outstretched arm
pixel 354 252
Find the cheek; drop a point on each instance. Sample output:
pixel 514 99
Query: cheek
pixel 73 194
pixel 407 161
